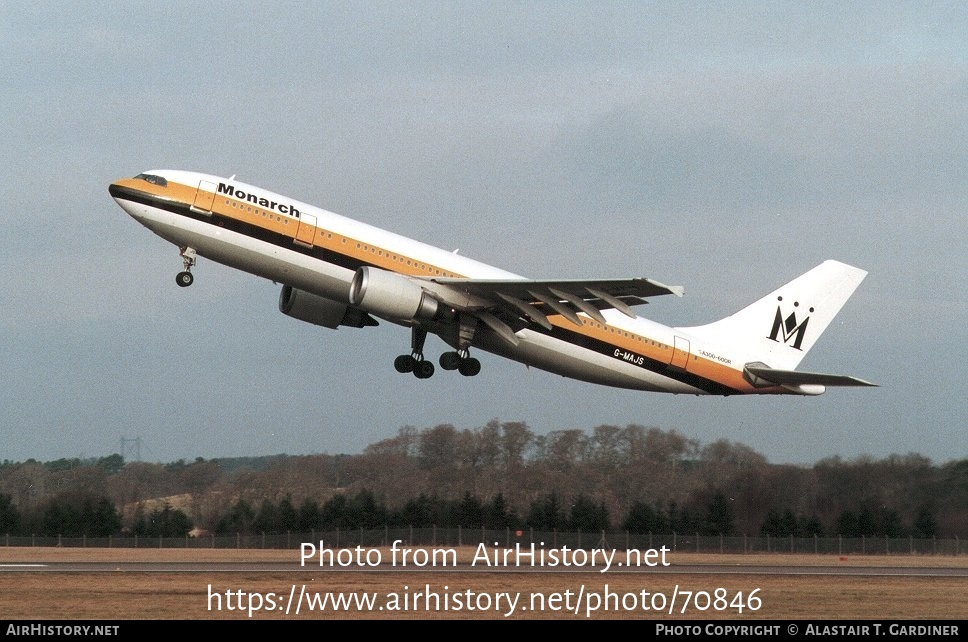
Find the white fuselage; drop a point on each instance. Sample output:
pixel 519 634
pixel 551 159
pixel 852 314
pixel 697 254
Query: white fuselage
pixel 176 218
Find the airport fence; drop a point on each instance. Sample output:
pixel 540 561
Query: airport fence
pixel 508 538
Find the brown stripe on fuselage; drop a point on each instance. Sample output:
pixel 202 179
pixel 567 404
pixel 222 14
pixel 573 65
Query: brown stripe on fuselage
pixel 719 378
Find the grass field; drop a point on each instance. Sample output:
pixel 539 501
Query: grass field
pixel 465 593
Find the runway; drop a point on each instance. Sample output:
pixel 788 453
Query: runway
pixel 157 583
pixel 296 569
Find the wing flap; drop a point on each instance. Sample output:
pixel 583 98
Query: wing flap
pixel 579 303
pixel 499 327
pixel 530 311
pixel 613 301
pixel 534 300
pixel 564 310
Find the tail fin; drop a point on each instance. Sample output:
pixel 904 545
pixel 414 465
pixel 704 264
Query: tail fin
pixel 780 328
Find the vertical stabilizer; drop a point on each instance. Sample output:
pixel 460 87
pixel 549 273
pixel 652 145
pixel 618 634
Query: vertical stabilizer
pixel 779 329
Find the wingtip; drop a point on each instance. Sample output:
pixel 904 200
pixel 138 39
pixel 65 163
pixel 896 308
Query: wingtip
pixel 678 290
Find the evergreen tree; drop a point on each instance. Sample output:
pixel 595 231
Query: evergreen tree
pixel 99 517
pixel 267 519
pixel 866 522
pixel 166 522
pixel 780 524
pixel 588 517
pixel 365 511
pixel 719 516
pixel 547 514
pixel 308 517
pixel 418 512
pixel 924 523
pixel 76 515
pixel 468 512
pixel 287 517
pixel 238 520
pixel 111 464
pixel 811 526
pixel 333 513
pixel 9 516
pixel 496 513
pixel 643 518
pixel 847 524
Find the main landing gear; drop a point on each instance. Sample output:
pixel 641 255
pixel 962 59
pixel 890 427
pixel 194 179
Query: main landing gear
pixel 459 360
pixel 184 279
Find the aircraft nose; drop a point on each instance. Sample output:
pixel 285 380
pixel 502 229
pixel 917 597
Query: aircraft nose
pixel 123 189
pixel 126 195
pixel 137 188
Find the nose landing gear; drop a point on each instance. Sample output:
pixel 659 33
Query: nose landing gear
pixel 185 278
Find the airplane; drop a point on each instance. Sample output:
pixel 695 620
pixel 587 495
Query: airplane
pixel 338 272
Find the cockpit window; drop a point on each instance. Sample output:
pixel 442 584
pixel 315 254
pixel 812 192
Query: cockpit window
pixel 154 179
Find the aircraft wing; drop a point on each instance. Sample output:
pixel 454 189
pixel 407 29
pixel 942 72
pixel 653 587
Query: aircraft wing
pixel 797 378
pixel 534 300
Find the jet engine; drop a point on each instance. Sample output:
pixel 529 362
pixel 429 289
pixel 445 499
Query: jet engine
pixel 391 296
pixel 320 310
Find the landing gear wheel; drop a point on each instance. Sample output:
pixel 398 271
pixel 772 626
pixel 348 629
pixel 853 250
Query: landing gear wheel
pixel 450 361
pixel 469 367
pixel 405 363
pixel 424 370
pixel 415 362
pixel 184 279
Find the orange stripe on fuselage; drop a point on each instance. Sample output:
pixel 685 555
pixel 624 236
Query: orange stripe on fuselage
pixel 326 239
pixel 288 226
pixel 639 344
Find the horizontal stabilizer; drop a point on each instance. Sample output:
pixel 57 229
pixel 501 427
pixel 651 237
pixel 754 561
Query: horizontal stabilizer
pixel 763 375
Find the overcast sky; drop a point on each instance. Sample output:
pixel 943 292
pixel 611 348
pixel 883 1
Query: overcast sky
pixel 723 147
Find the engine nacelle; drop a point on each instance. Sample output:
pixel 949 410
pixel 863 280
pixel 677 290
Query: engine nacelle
pixel 391 296
pixel 320 310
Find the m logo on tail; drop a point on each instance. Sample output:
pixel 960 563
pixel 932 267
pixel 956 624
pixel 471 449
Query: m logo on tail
pixel 788 328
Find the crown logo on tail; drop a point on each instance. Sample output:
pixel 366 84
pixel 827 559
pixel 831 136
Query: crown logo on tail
pixel 788 328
